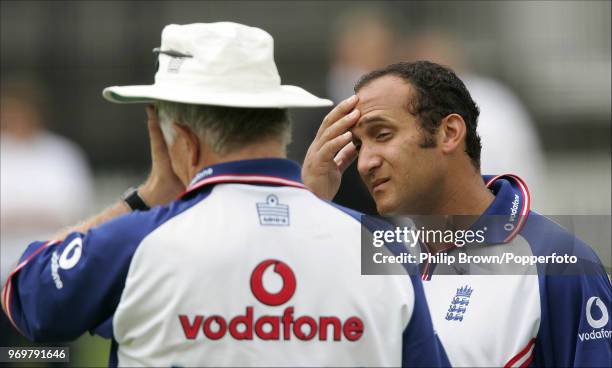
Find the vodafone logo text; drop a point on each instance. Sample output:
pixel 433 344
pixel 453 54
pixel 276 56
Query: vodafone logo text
pixel 597 317
pixel 284 326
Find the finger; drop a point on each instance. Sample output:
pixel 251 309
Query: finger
pixel 151 112
pixel 337 112
pixel 341 126
pixel 346 156
pixel 328 150
pixel 156 137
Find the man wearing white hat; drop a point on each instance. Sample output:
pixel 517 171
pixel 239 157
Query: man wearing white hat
pixel 246 266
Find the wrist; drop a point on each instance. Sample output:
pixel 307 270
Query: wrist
pixel 152 193
pixel 160 191
pixel 147 193
pixel 133 199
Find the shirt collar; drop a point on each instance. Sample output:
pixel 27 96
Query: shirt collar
pixel 266 171
pixel 505 217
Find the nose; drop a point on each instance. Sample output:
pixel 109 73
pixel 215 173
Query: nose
pixel 368 162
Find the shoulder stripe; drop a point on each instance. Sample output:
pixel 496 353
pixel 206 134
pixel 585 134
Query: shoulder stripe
pixel 242 178
pixel 523 357
pixel 8 286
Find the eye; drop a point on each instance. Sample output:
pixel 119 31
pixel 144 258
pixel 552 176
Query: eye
pixel 383 136
pixel 357 144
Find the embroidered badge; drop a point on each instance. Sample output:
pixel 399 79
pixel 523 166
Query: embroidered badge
pixel 272 212
pixel 459 304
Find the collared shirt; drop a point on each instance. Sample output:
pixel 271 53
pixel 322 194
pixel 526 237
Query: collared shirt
pixel 247 267
pixel 514 315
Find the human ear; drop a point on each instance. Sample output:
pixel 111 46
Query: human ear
pixel 452 130
pixel 191 144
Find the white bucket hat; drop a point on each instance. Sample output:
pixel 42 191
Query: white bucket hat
pixel 223 64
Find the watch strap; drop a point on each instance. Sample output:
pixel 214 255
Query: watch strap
pixel 134 200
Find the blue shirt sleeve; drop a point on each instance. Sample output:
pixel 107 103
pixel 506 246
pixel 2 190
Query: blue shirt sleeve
pixel 422 347
pixel 576 301
pixel 61 289
pixel 575 328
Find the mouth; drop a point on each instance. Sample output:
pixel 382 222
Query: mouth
pixel 378 183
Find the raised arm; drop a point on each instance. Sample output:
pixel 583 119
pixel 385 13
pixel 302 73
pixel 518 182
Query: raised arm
pixel 161 187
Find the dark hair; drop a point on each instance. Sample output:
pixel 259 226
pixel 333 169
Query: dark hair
pixel 438 93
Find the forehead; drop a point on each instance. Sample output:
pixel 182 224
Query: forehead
pixel 387 95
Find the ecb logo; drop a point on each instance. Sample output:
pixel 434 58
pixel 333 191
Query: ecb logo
pixel 459 304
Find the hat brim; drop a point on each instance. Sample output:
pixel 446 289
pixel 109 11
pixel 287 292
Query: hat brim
pixel 284 97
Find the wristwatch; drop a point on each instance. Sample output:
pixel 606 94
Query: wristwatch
pixel 134 200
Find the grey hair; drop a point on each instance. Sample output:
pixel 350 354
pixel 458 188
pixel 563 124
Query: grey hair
pixel 225 129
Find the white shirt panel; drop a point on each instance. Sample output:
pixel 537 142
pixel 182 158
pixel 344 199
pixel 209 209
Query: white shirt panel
pixel 201 261
pixel 502 313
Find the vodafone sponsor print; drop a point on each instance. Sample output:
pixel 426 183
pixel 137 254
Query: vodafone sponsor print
pixel 284 326
pixel 595 304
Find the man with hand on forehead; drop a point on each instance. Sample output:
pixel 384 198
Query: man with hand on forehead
pixel 412 129
pixel 222 257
